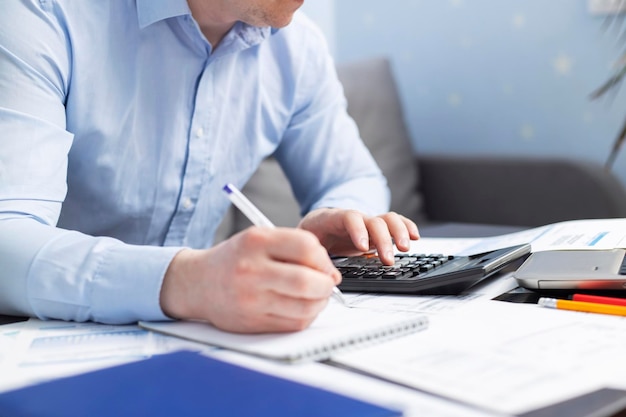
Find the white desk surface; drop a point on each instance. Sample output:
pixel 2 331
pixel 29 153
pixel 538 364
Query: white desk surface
pixel 36 351
pixel 579 352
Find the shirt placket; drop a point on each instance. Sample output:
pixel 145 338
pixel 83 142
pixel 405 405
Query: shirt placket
pixel 198 159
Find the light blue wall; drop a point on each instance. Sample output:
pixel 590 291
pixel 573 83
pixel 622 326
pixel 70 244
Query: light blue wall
pixel 496 77
pixel 323 13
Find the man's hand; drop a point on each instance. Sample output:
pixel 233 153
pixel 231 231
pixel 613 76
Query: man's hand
pixel 349 232
pixel 260 280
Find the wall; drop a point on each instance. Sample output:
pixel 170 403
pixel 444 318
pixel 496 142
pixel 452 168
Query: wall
pixel 492 77
pixel 323 13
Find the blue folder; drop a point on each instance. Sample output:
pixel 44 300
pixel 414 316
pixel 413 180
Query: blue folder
pixel 185 384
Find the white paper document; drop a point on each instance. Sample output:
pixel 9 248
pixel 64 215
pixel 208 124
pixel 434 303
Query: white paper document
pixel 36 351
pixel 430 304
pixel 592 234
pixel 412 403
pixel 434 304
pixel 504 357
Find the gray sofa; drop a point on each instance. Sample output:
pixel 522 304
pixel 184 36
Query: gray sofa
pixel 447 195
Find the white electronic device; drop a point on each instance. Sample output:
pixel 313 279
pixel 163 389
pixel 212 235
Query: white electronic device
pixel 574 269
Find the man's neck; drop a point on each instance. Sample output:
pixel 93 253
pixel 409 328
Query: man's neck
pixel 213 19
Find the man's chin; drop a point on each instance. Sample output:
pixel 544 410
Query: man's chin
pixel 282 23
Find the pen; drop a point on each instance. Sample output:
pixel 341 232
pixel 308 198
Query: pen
pixel 258 219
pixel 600 300
pixel 582 306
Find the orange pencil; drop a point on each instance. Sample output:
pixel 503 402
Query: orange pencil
pixel 600 300
pixel 582 306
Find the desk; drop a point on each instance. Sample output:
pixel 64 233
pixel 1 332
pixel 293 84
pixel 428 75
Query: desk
pixel 414 402
pixel 603 402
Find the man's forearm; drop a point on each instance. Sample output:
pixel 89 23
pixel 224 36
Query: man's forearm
pixel 53 273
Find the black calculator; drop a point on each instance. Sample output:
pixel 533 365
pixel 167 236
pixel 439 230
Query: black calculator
pixel 419 273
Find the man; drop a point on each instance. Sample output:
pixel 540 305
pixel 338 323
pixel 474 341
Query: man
pixel 122 120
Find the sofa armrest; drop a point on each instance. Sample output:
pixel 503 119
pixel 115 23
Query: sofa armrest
pixel 520 191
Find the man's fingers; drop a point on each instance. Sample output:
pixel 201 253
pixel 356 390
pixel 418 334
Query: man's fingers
pixel 293 246
pixel 270 323
pixel 297 281
pixel 272 311
pixel 357 230
pixel 402 230
pixel 382 231
pixel 381 239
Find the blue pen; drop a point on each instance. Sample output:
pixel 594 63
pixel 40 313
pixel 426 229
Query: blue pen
pixel 258 219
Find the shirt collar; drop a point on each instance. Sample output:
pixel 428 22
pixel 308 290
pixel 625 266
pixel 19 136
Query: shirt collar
pixel 151 11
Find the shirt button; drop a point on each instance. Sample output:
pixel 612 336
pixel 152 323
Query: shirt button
pixel 187 203
pixel 199 132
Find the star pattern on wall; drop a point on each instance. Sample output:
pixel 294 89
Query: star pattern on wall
pixel 527 67
pixel 527 132
pixel 454 99
pixel 519 21
pixel 562 64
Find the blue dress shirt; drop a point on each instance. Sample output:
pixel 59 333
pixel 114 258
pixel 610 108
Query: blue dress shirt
pixel 119 125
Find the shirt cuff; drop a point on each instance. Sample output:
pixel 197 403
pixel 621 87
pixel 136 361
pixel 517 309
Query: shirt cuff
pixel 127 284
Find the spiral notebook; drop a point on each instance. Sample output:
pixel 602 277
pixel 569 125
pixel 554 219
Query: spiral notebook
pixel 337 328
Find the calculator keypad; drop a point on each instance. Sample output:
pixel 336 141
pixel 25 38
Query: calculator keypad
pixel 406 266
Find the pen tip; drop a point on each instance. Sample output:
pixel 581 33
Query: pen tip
pixel 227 188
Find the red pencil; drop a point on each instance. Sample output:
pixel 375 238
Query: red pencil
pixel 600 300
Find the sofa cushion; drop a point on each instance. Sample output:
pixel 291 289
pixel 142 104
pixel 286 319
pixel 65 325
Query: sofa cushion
pixel 374 104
